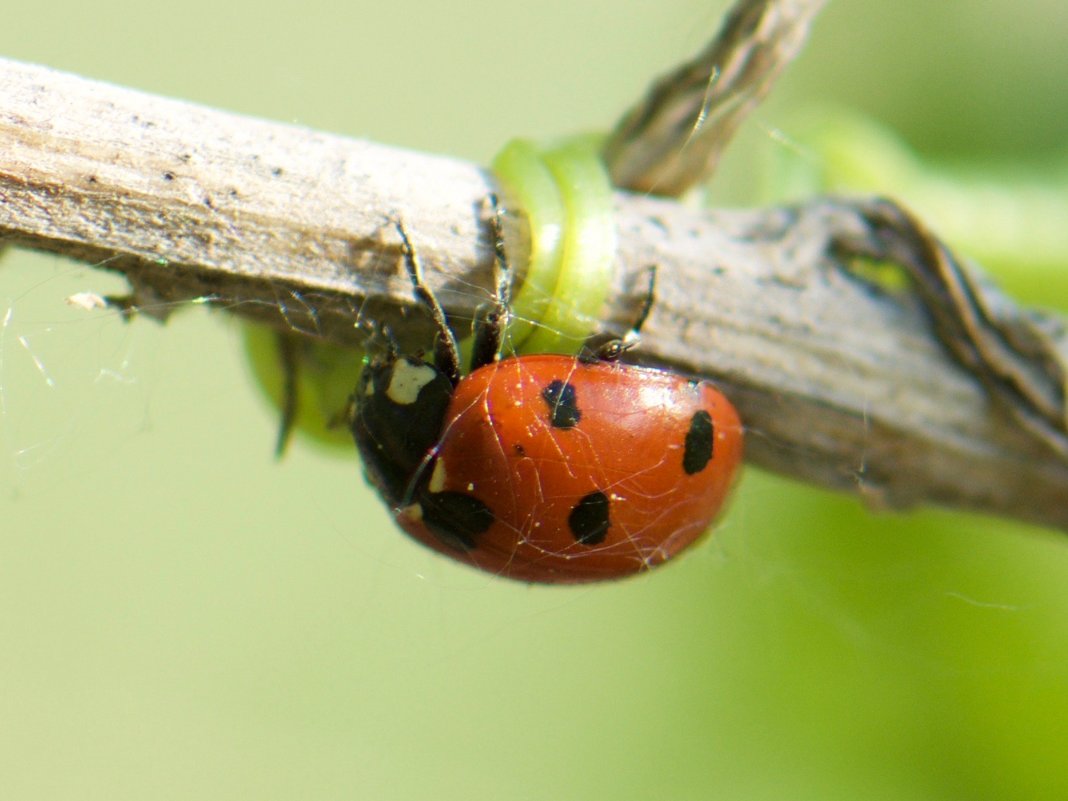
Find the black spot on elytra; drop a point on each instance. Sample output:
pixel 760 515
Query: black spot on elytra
pixel 456 518
pixel 698 451
pixel 563 405
pixel 519 450
pixel 588 520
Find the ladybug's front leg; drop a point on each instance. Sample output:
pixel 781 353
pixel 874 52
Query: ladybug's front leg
pixel 446 349
pixel 612 349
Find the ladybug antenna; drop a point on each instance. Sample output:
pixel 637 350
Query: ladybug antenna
pixel 446 350
pixel 491 319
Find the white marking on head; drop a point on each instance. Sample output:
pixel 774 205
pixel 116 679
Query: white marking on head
pixel 407 380
pixel 437 478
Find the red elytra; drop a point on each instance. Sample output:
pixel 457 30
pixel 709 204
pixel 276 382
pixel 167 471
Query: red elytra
pixel 544 468
pixel 588 469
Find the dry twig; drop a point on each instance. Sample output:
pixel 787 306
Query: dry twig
pixel 672 140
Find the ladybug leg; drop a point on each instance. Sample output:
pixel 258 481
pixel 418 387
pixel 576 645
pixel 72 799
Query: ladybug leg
pixel 647 305
pixel 289 360
pixel 446 350
pixel 491 319
pixel 611 350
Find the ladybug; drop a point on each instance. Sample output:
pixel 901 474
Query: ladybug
pixel 542 468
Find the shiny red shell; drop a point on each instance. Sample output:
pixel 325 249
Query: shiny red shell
pixel 591 469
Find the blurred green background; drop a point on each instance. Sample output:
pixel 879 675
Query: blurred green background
pixel 183 617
